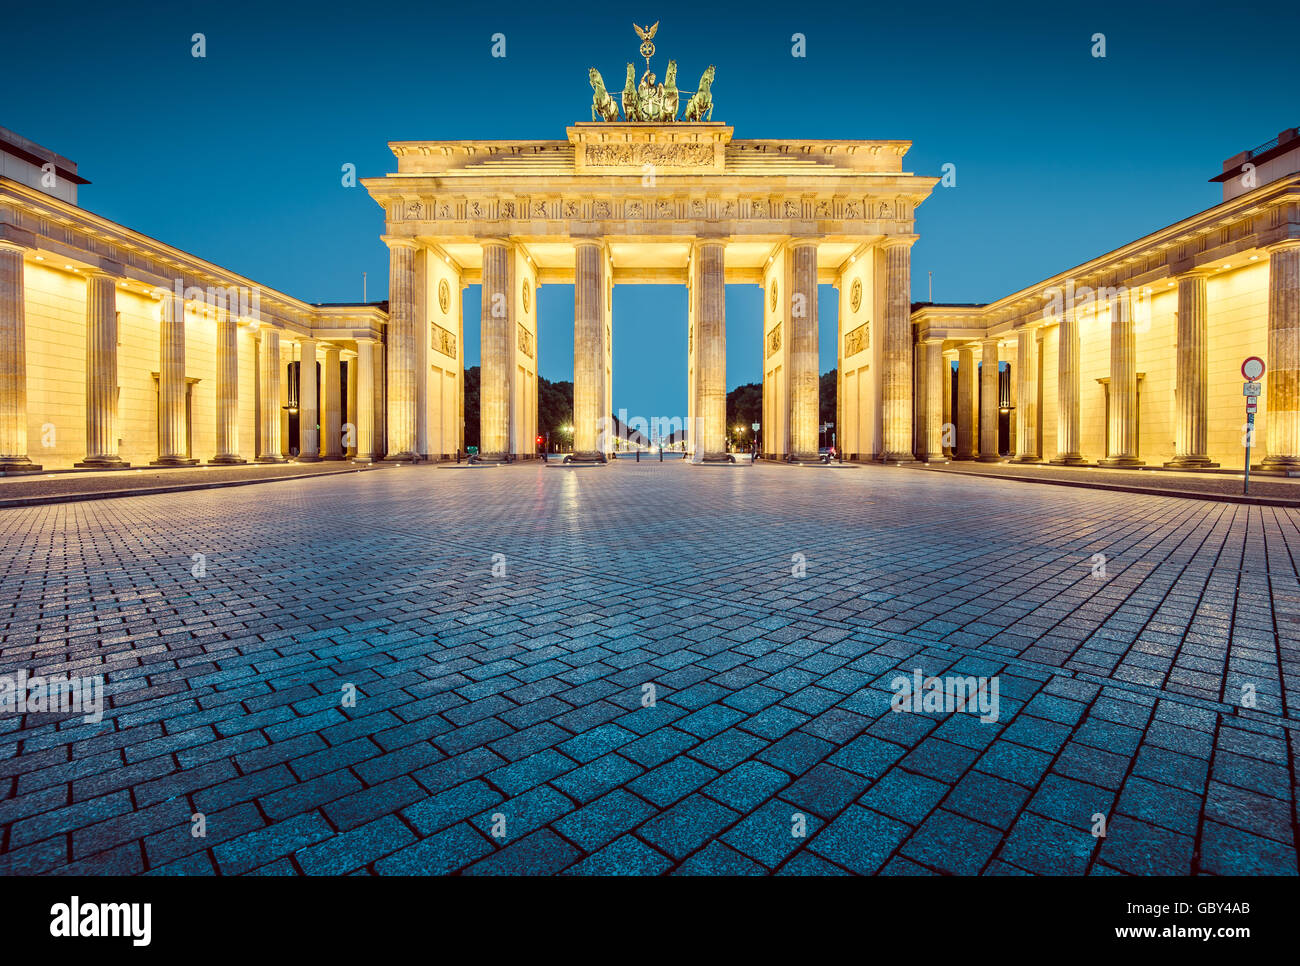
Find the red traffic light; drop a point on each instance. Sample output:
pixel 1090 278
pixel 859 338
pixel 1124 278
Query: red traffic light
pixel 539 441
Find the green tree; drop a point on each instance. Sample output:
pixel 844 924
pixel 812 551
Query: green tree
pixel 828 393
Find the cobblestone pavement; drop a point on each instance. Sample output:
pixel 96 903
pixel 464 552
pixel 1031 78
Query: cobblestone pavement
pixel 1213 485
pixel 67 485
pixel 500 721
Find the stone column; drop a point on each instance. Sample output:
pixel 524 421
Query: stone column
pixel 989 402
pixel 350 415
pixel 365 404
pixel 805 410
pixel 964 406
pixel 332 419
pixel 227 388
pixel 896 353
pixel 1027 450
pixel 588 349
pixel 935 382
pixel 711 353
pixel 1283 373
pixel 1067 392
pixel 497 355
pixel 269 387
pixel 308 405
pixel 401 364
pixel 173 432
pixel 101 373
pixel 949 405
pixel 1123 386
pixel 1193 375
pixel 920 392
pixel 379 440
pixel 13 364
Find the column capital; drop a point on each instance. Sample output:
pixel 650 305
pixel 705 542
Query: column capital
pixel 1030 325
pixel 6 245
pixel 898 241
pixel 395 241
pixel 801 241
pixel 1282 245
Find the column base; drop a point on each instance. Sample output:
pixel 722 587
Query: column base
pixel 227 461
pixel 20 466
pixel 1121 463
pixel 591 457
pixel 1026 459
pixel 990 459
pixel 934 459
pixel 1282 466
pixel 101 463
pixel 1190 463
pixel 363 460
pixel 896 459
pixel 334 459
pixel 1070 460
pixel 173 461
pixel 964 458
pixel 306 459
pixel 271 459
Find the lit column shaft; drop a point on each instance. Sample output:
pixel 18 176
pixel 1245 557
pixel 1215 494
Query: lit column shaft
pixel 711 351
pixel 269 384
pixel 496 353
pixel 965 405
pixel 1123 385
pixel 101 372
pixel 1027 395
pixel 308 405
pixel 227 387
pixel 173 438
pixel 1283 373
pixel 805 410
pixel 989 402
pixel 1067 390
pixel 896 352
pixel 332 423
pixel 13 364
pixel 401 350
pixel 365 414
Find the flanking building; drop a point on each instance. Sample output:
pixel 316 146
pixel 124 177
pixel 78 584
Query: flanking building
pixel 119 350
pixel 1134 357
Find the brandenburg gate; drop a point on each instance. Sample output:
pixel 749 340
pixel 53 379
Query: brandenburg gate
pixel 650 199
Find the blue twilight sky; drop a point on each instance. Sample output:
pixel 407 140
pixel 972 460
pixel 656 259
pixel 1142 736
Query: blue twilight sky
pixel 1060 156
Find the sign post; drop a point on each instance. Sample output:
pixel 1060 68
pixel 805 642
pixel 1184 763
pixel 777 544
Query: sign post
pixel 1252 369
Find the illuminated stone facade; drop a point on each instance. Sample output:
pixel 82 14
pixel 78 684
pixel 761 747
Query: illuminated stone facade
pixel 1134 358
pixel 671 203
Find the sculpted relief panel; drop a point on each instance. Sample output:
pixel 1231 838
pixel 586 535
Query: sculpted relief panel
pixel 659 155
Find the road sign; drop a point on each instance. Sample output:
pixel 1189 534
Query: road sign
pixel 1253 368
pixel 1250 389
pixel 754 427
